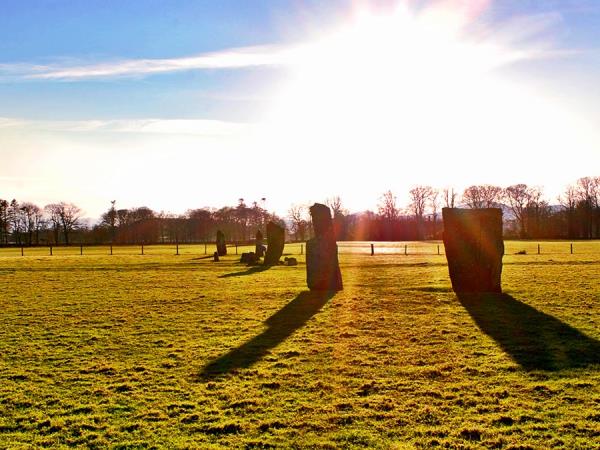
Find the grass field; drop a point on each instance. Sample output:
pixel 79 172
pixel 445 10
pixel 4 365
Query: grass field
pixel 131 351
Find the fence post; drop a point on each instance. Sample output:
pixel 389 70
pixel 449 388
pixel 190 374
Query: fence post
pixel 142 248
pixel 111 249
pixel 538 249
pixel 177 249
pixel 571 248
pixel 438 249
pixel 50 250
pixel 405 249
pixel 80 249
pixel 205 248
pixel 236 248
pixel 372 249
pixel 21 250
pixel 302 249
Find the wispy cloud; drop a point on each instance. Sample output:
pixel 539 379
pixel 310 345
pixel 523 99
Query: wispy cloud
pixel 234 58
pixel 199 127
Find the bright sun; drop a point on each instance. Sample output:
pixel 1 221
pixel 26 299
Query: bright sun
pixel 413 93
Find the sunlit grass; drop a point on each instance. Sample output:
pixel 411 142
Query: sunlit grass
pixel 107 350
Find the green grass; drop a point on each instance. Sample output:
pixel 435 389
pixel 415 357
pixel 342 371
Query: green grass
pixel 131 351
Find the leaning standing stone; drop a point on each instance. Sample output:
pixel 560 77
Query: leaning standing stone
pixel 275 243
pixel 474 248
pixel 322 265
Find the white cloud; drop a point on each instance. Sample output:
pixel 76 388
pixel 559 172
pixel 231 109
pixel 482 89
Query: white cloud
pixel 196 127
pixel 233 58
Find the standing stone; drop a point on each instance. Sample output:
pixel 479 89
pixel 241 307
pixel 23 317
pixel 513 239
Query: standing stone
pixel 260 248
pixel 322 266
pixel 474 248
pixel 216 256
pixel 275 243
pixel 221 245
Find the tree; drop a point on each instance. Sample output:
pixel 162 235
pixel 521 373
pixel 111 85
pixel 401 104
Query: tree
pixel 517 196
pixel 482 196
pixel 297 215
pixel 449 197
pixel 434 204
pixel 387 207
pixel 419 197
pixel 69 217
pixel 568 201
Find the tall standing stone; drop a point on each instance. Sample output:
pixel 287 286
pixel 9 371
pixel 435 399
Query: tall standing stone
pixel 322 265
pixel 221 245
pixel 474 248
pixel 275 243
pixel 259 251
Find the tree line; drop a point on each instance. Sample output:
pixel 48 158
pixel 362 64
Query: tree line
pixel 527 214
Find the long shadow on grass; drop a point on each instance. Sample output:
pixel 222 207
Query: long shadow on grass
pixel 535 340
pixel 281 325
pixel 249 271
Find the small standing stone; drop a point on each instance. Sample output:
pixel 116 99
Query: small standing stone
pixel 275 243
pixel 260 248
pixel 474 249
pixel 322 265
pixel 221 245
pixel 216 256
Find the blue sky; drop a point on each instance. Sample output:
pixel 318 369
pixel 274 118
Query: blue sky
pixel 63 128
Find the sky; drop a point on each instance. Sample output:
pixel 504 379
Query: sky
pixel 185 104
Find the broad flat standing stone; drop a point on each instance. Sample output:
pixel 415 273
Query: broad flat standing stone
pixel 221 245
pixel 322 265
pixel 260 248
pixel 474 248
pixel 275 243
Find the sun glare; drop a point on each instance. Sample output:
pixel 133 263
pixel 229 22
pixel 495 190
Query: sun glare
pixel 418 91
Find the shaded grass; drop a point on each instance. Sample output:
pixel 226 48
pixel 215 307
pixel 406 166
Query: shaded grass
pixel 134 352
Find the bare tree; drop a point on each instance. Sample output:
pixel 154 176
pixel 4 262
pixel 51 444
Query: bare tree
pixel 482 196
pixel 434 204
pixel 517 196
pixel 387 207
pixel 569 202
pixel 419 197
pixel 300 225
pixel 449 197
pixel 69 216
pixel 335 204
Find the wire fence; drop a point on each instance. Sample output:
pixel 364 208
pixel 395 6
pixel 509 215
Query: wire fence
pixel 299 248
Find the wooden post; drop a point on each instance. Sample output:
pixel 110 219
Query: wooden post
pixel 21 250
pixel 205 248
pixel 405 249
pixel 372 249
pixel 50 250
pixel 236 248
pixel 438 249
pixel 571 248
pixel 177 249
pixel 538 249
pixel 80 249
pixel 142 248
pixel 111 249
pixel 302 249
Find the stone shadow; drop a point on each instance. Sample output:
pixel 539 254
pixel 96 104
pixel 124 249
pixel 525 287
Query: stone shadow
pixel 535 340
pixel 281 325
pixel 251 270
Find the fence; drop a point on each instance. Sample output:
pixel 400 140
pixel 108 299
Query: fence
pixel 299 248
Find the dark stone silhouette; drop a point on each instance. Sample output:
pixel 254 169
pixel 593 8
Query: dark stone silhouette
pixel 221 245
pixel 249 258
pixel 260 248
pixel 290 261
pixel 474 248
pixel 281 325
pixel 322 266
pixel 533 339
pixel 216 256
pixel 275 243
